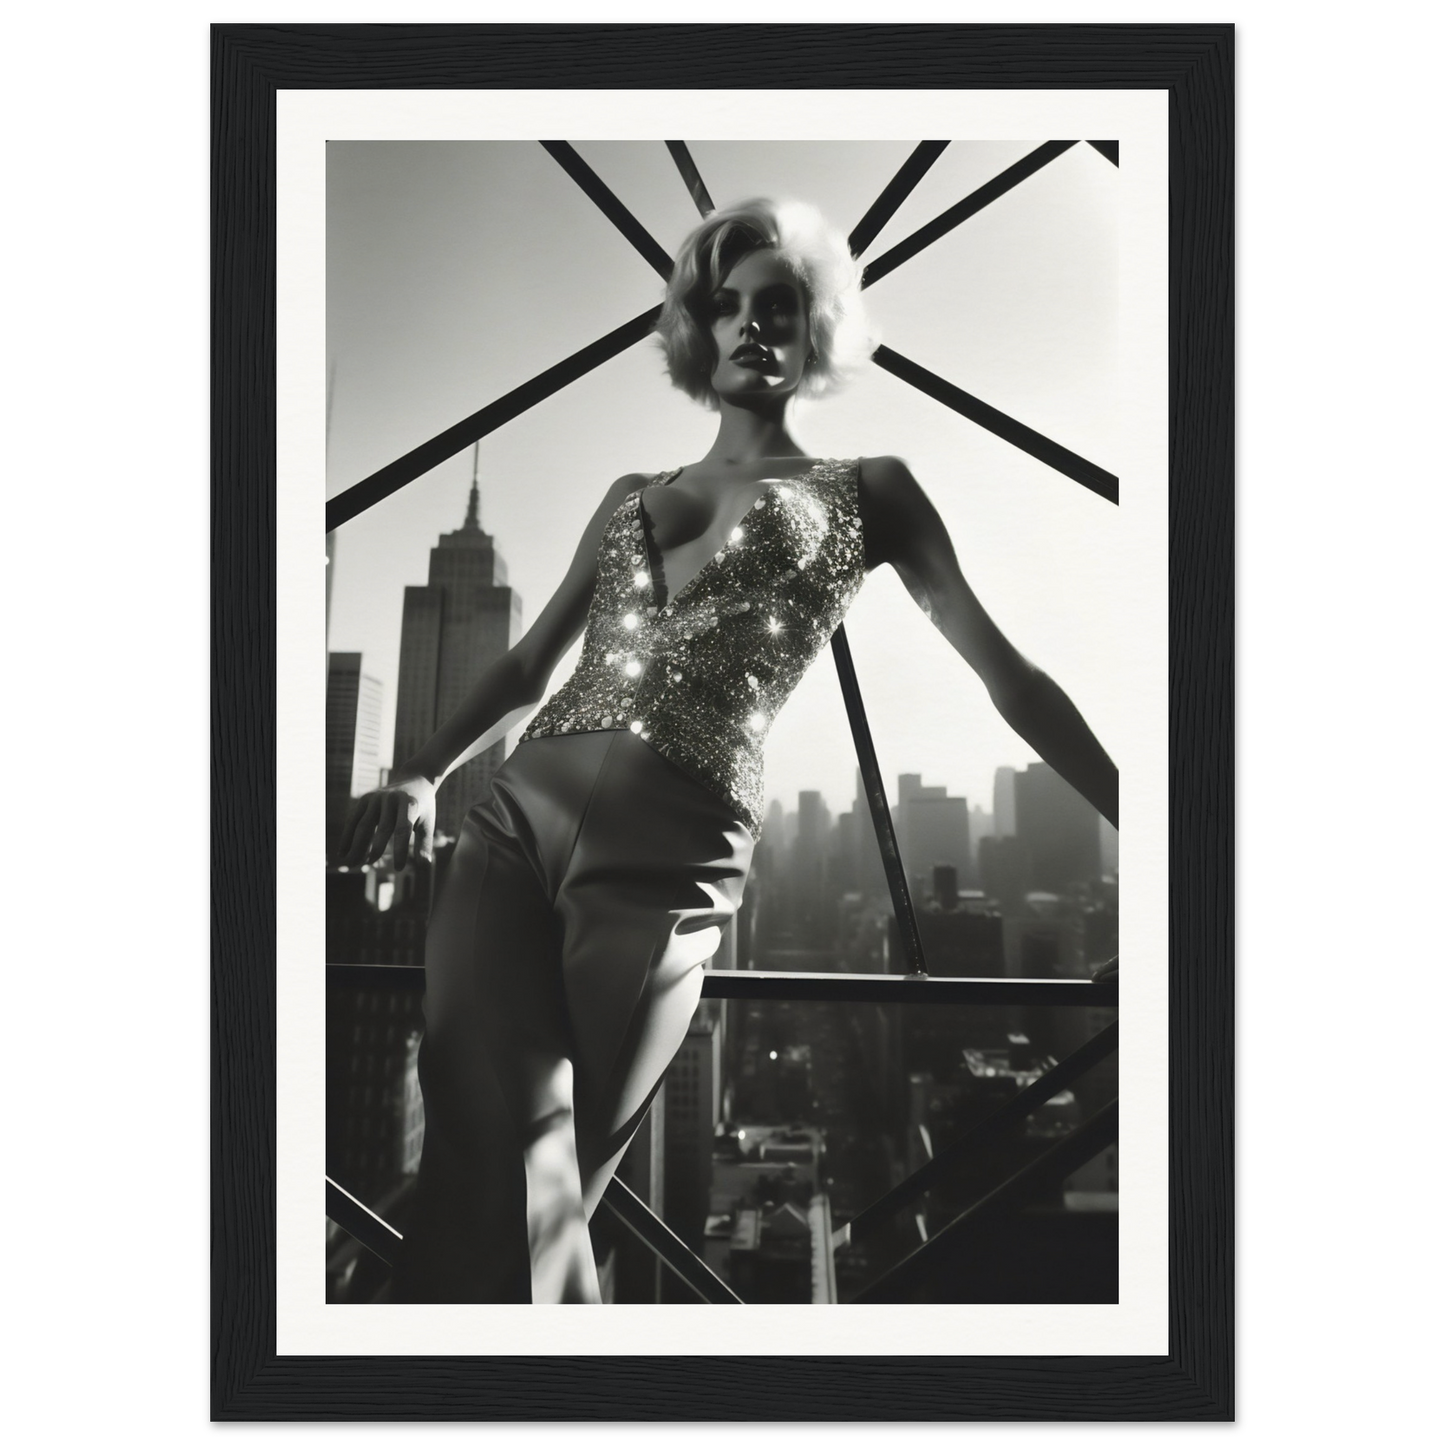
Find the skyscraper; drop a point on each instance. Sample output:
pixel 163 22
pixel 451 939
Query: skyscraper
pixel 980 825
pixel 691 1102
pixel 465 618
pixel 812 918
pixel 353 733
pixel 932 829
pixel 1005 823
pixel 1060 828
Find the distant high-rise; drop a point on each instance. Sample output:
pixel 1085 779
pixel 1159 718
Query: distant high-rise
pixel 1005 819
pixel 374 1120
pixel 1005 870
pixel 980 825
pixel 932 829
pixel 1060 828
pixel 691 1101
pixel 465 618
pixel 812 918
pixel 353 734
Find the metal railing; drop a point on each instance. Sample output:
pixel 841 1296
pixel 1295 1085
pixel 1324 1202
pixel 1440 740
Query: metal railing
pixel 1057 1163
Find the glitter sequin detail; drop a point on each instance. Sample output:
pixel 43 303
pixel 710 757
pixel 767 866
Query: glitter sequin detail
pixel 702 679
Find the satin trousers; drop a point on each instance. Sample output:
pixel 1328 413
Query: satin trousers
pixel 564 961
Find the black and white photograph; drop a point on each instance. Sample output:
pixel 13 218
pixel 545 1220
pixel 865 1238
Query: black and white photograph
pixel 722 865
pixel 726 650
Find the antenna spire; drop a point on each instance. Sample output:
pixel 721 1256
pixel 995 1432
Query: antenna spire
pixel 474 502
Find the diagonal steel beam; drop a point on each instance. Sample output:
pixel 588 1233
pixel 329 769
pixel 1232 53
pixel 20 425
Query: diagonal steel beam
pixel 708 1287
pixel 970 205
pixel 877 797
pixel 691 178
pixel 392 477
pixel 602 197
pixel 1015 1111
pixel 894 194
pixel 360 1223
pixel 1036 444
pixel 1052 1166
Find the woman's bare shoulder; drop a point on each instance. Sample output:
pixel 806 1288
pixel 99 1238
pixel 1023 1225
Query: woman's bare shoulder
pixel 618 491
pixel 886 484
pixel 626 484
pixel 884 472
pixel 895 510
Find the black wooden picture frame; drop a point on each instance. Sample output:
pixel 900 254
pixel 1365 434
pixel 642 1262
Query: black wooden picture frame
pixel 1194 1380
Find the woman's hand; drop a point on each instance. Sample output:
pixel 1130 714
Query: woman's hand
pixel 403 813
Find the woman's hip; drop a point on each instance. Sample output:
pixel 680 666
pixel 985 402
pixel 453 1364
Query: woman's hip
pixel 607 803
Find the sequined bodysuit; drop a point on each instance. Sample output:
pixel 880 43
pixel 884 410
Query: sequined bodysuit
pixel 701 675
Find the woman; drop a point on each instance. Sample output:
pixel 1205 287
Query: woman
pixel 565 949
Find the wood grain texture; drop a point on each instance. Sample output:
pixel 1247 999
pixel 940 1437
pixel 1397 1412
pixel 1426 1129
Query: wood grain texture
pixel 1195 1380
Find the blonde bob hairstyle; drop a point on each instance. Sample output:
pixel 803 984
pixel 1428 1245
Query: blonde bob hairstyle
pixel 814 252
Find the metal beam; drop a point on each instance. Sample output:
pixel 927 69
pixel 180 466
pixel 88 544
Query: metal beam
pixel 985 1132
pixel 1053 1165
pixel 877 797
pixel 894 194
pixel 1025 438
pixel 908 989
pixel 360 1223
pixel 970 205
pixel 379 485
pixel 816 987
pixel 687 169
pixel 600 194
pixel 667 1246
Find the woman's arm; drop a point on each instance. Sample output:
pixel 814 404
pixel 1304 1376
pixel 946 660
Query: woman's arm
pixel 901 527
pixel 405 808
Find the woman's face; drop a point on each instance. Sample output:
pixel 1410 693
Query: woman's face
pixel 758 318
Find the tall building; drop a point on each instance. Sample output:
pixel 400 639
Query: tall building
pixel 465 618
pixel 980 825
pixel 812 919
pixel 374 1120
pixel 1060 828
pixel 353 735
pixel 869 877
pixel 1005 822
pixel 691 1100
pixel 1005 869
pixel 932 829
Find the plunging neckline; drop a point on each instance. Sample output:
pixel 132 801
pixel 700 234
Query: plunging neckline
pixel 769 484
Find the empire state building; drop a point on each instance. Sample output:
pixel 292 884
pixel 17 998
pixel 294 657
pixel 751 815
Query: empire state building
pixel 464 619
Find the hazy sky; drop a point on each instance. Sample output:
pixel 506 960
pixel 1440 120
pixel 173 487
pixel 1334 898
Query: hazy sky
pixel 457 270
